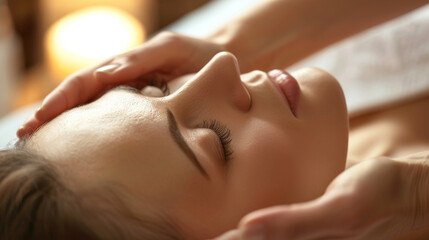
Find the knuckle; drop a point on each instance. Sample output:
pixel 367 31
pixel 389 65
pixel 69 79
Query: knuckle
pixel 74 88
pixel 74 76
pixel 168 35
pixel 128 58
pixel 171 38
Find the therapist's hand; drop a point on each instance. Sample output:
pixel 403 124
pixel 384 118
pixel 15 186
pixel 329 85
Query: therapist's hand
pixel 167 54
pixel 375 199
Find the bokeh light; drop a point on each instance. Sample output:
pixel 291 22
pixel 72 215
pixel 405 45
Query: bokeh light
pixel 85 37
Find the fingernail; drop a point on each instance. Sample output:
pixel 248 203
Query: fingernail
pixel 108 69
pixel 275 73
pixel 254 232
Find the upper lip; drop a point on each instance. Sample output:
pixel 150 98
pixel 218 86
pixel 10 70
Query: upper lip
pixel 278 90
pixel 272 88
pixel 288 87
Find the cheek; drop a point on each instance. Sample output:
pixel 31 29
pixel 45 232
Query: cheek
pixel 275 165
pixel 323 155
pixel 264 171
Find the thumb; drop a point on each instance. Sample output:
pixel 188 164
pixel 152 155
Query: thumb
pixel 318 218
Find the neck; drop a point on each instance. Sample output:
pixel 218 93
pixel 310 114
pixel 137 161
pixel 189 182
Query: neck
pixel 394 132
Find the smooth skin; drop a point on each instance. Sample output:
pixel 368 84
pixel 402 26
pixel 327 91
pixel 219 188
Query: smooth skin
pixel 376 199
pixel 294 26
pixel 123 139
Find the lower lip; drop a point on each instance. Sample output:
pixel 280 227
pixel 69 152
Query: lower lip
pixel 288 86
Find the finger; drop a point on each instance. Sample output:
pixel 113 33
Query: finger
pixel 327 216
pixel 230 235
pixel 76 89
pixel 143 60
pixel 84 85
pixel 165 53
pixel 29 127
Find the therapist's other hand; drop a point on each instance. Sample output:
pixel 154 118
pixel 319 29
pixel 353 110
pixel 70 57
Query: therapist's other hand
pixel 375 199
pixel 167 54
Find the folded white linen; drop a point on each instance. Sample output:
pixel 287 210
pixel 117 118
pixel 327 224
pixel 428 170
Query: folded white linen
pixel 380 66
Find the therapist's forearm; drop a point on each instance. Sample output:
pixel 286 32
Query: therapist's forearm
pixel 278 33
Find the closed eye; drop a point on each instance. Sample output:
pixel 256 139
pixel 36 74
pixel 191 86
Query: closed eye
pixel 224 135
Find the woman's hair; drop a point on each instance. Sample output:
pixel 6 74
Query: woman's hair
pixel 36 204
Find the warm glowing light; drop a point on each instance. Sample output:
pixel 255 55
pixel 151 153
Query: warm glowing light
pixel 86 37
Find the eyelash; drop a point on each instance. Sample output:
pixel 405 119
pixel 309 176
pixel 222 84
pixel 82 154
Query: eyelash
pixel 162 85
pixel 224 134
pixel 221 130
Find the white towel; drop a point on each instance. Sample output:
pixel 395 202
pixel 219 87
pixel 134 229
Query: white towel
pixel 380 66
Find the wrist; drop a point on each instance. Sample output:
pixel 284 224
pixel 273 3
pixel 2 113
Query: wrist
pixel 232 39
pixel 279 34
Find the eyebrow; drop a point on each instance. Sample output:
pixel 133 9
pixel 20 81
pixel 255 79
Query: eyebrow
pixel 174 132
pixel 178 138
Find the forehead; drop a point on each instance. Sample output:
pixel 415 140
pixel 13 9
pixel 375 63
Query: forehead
pixel 119 118
pixel 122 138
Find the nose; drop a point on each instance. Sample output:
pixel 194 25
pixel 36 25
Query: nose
pixel 217 85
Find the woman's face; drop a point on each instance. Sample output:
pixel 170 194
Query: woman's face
pixel 162 150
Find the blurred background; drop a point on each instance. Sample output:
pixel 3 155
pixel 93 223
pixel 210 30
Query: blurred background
pixel 43 41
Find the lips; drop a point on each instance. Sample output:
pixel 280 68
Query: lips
pixel 288 87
